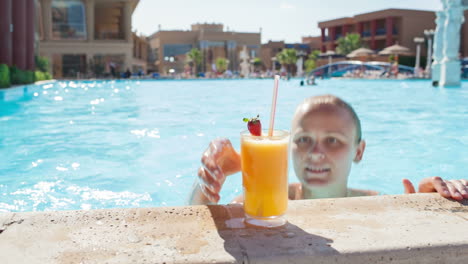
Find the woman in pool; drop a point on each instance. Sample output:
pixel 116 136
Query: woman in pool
pixel 325 141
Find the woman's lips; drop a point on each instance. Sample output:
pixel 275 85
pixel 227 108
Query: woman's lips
pixel 317 175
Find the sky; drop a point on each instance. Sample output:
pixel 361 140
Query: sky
pixel 287 20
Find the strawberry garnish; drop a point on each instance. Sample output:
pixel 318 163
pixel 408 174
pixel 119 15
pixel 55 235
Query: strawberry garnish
pixel 254 125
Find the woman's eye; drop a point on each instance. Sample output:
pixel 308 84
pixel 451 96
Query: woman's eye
pixel 303 140
pixel 332 140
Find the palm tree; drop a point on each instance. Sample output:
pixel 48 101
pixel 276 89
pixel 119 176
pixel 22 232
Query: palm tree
pixel 311 61
pixel 349 43
pixel 287 58
pixel 194 59
pixel 257 63
pixel 221 64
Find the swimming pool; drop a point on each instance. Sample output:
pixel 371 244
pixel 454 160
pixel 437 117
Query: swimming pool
pixel 104 144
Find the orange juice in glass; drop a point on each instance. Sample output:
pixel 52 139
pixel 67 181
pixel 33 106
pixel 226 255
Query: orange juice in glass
pixel 264 162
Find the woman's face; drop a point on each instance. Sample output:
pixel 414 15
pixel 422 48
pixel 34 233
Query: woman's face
pixel 324 145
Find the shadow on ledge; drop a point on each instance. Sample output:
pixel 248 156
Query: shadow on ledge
pixel 277 245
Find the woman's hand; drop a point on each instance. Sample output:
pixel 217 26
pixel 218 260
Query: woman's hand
pixel 455 189
pixel 219 160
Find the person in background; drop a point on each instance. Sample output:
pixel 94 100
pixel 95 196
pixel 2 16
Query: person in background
pixel 128 74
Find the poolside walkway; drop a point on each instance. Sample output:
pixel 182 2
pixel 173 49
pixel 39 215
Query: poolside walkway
pixel 417 228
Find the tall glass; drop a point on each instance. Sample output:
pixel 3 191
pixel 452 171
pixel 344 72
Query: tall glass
pixel 265 177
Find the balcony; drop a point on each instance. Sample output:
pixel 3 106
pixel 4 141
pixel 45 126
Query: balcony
pixel 109 36
pixel 380 31
pixel 366 34
pixel 108 19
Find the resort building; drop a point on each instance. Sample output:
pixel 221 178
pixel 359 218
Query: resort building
pixel 379 29
pixel 170 47
pixel 17 33
pixel 269 51
pixel 315 43
pixel 86 37
pixel 272 48
pixel 140 54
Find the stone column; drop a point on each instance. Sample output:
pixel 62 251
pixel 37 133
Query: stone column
pixel 438 45
pixel 322 45
pixel 332 35
pixel 5 32
pixel 128 60
pixel 344 30
pixel 360 27
pixel 450 68
pixel 47 19
pixel 127 21
pixel 373 31
pixel 30 34
pixel 429 34
pixel 90 20
pixel 19 33
pixel 389 31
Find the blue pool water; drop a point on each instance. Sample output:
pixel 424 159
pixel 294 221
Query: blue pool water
pixel 88 145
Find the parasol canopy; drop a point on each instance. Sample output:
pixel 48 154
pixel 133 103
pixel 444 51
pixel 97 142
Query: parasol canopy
pixel 395 50
pixel 361 52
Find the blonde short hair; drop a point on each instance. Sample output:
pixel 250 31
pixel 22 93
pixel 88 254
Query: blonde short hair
pixel 315 102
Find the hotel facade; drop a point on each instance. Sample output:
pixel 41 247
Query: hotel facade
pixel 379 29
pixel 86 37
pixel 169 48
pixel 272 48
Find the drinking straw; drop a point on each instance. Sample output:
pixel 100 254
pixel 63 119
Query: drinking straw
pixel 273 106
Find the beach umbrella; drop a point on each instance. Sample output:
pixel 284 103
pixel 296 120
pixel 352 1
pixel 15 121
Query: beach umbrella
pixel 361 52
pixel 395 50
pixel 329 54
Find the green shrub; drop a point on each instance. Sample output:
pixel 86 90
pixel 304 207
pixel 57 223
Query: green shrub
pixel 42 76
pixel 48 76
pixel 30 78
pixel 15 75
pixel 4 76
pixel 42 63
pixel 39 76
pixel 18 76
pixel 411 61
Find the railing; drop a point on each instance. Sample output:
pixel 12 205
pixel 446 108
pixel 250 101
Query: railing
pixel 109 36
pixel 68 30
pixel 380 31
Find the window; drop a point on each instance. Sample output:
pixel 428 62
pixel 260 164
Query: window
pixel 73 64
pixel 68 19
pixel 108 19
pixel 172 50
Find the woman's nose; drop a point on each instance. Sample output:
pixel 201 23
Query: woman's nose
pixel 316 153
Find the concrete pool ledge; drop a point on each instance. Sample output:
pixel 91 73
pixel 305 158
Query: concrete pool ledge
pixel 417 228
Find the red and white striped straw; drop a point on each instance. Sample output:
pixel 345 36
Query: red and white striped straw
pixel 273 106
